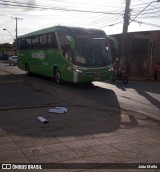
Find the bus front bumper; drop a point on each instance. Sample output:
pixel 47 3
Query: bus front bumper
pixel 92 76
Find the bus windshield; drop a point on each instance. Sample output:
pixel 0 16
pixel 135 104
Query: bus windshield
pixel 91 48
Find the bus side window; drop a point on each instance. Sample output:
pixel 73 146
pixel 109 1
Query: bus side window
pixel 43 41
pixel 23 43
pixel 19 44
pixel 28 43
pixel 35 41
pixel 49 40
pixel 52 42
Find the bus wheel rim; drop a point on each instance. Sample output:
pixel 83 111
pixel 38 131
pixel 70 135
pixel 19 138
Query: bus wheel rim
pixel 58 77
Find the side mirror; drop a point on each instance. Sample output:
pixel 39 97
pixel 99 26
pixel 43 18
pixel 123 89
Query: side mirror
pixel 107 48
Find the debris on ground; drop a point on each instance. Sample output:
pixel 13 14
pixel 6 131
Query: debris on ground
pixel 42 120
pixel 58 110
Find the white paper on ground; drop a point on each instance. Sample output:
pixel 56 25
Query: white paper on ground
pixel 42 120
pixel 58 110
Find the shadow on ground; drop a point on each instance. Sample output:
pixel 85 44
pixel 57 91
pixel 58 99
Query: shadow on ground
pixel 88 111
pixel 144 89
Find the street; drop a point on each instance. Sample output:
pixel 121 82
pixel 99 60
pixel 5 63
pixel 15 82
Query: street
pixel 97 106
pixel 105 123
pixel 136 96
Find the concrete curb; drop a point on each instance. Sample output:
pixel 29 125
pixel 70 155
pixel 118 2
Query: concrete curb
pixel 142 115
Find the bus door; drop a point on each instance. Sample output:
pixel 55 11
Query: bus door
pixel 68 49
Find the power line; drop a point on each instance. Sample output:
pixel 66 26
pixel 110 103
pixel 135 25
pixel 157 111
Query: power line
pixel 146 23
pixel 106 18
pixel 141 11
pixel 93 22
pixel 150 17
pixel 32 6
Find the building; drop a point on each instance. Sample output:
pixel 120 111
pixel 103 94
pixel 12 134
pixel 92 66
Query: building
pixel 7 50
pixel 142 52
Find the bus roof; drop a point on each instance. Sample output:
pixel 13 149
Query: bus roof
pixel 54 28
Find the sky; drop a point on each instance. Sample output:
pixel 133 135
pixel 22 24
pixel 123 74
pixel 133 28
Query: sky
pixel 103 14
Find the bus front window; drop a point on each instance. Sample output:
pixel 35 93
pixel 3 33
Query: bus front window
pixel 66 45
pixel 67 53
pixel 87 48
pixel 91 52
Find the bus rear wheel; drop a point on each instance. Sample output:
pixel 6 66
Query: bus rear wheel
pixel 58 76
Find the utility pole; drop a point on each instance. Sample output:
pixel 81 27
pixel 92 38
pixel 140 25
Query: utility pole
pixel 124 33
pixel 16 18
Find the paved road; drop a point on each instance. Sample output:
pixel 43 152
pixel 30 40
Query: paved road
pixel 142 97
pixel 90 132
pixel 12 69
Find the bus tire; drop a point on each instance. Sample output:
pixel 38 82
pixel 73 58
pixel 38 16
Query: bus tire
pixel 58 76
pixel 27 69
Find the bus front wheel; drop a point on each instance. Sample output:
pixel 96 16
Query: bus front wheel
pixel 58 76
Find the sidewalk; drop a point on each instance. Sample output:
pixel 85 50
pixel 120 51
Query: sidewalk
pixel 143 79
pixel 85 134
pixel 74 138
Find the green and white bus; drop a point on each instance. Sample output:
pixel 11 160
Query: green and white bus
pixel 66 53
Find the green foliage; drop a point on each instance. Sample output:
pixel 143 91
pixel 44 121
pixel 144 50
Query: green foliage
pixel 5 46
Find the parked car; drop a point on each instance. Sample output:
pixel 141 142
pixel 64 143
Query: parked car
pixel 13 60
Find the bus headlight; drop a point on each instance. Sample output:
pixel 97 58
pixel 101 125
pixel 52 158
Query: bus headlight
pixel 75 68
pixel 110 70
pixel 78 71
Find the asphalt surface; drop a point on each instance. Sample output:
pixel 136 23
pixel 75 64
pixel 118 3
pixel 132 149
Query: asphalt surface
pixel 141 97
pixel 90 133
